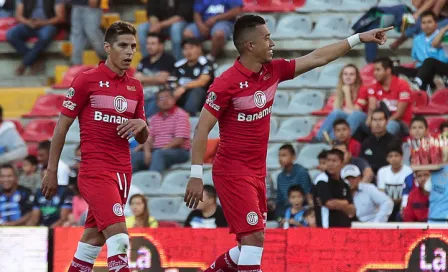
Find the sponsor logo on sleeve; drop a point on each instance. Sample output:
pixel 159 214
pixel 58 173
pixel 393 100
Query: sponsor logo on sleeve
pixel 211 101
pixel 371 91
pixel 404 95
pixel 70 93
pixel 69 105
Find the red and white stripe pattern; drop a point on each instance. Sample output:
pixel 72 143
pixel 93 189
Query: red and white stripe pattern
pixel 123 187
pixel 100 101
pixel 247 102
pixel 175 124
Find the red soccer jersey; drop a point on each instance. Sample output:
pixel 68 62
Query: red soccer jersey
pixel 242 101
pixel 102 101
pixel 363 98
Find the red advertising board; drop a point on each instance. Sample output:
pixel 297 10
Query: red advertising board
pixel 294 250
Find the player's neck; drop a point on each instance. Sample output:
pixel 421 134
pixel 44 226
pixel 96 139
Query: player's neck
pixel 114 69
pixel 250 64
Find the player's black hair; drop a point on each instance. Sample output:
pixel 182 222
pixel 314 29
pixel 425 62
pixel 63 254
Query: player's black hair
pixel 308 212
pixel 9 166
pixel 210 190
pixel 159 36
pixel 386 62
pixel 340 121
pixel 288 147
pixel 443 126
pixel 244 24
pixel 117 29
pixel 419 118
pixel 322 155
pixel 337 153
pixel 296 188
pixel 394 148
pixel 32 159
pixel 191 41
pixel 381 111
pixel 44 145
pixel 429 13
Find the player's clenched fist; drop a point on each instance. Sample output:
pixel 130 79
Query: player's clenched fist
pixel 50 184
pixel 130 128
pixel 193 194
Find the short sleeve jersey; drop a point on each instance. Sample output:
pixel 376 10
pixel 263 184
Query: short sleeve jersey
pixel 242 101
pixel 102 101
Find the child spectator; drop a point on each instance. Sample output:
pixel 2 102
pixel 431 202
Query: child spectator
pixel 419 127
pixel 294 214
pixel 322 157
pixel 418 202
pixel 209 214
pixel 140 214
pixel 30 177
pixel 392 177
pixel 292 174
pixel 79 209
pixel 443 129
pixel 310 218
pixel 343 134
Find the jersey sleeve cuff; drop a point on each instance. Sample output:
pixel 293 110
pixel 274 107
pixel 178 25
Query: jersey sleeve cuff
pixel 291 69
pixel 212 111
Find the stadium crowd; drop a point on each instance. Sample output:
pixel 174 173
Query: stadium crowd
pixel 364 176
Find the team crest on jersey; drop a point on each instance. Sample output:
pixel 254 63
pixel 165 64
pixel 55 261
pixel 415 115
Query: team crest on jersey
pixel 260 99
pixel 120 104
pixel 252 218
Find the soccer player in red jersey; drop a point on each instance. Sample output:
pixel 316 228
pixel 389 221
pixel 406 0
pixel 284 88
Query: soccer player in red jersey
pixel 240 100
pixel 109 107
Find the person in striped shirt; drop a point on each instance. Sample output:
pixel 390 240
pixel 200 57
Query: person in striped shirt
pixel 169 137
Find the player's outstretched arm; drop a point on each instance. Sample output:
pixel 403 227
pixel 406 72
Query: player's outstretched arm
pixel 327 54
pixel 193 193
pixel 50 181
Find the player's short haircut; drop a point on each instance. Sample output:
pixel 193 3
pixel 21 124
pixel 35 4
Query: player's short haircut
pixel 295 188
pixel 394 148
pixel 288 147
pixel 9 166
pixel 192 41
pixel 337 153
pixel 117 29
pixel 159 36
pixel 340 121
pixel 243 25
pixel 163 90
pixel 322 155
pixel 32 159
pixel 308 212
pixel 44 145
pixel 381 111
pixel 419 118
pixel 429 13
pixel 386 62
pixel 443 126
pixel 210 190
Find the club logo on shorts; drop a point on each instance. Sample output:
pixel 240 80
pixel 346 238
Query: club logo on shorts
pixel 117 209
pixel 120 104
pixel 252 218
pixel 260 99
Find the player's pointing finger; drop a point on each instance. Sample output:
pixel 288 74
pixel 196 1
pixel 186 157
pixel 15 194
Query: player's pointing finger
pixel 385 29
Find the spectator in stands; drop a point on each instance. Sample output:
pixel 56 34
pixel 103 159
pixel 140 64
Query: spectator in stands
pixel 419 127
pixel 292 174
pixel 86 29
pixel 371 204
pixel 343 133
pixel 7 8
pixel 153 70
pixel 310 217
pixel 36 19
pixel 12 146
pixel 293 216
pixel 52 212
pixel 438 196
pixel 360 163
pixel 391 178
pixel 417 207
pixel 346 104
pixel 30 178
pixel 140 217
pixel 322 158
pixel 169 137
pixel 78 215
pixel 214 19
pixel 194 75
pixel 443 128
pixel 16 201
pixel 169 18
pixel 375 148
pixel 43 154
pixel 208 214
pixel 428 55
pixel 333 200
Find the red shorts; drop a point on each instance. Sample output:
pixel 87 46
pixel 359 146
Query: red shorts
pixel 106 193
pixel 243 200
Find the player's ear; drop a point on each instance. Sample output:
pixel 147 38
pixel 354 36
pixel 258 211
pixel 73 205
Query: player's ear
pixel 107 47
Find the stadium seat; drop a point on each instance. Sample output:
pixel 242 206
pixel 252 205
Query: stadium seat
pixel 319 5
pixel 48 105
pixel 175 182
pixel 327 108
pixel 140 17
pixel 355 5
pixel 271 5
pixel 281 103
pixel 314 173
pixel 307 79
pixel 367 70
pixel 148 182
pixel 5 25
pixel 308 155
pixel 434 124
pixel 164 208
pixel 13 102
pixel 59 72
pixel 193 122
pixel 108 19
pixel 420 100
pixel 133 190
pixel 332 26
pixel 18 125
pixel 71 74
pixel 39 130
pixel 389 2
pixel 207 178
pixel 329 76
pixel 271 22
pixel 210 151
pixel 273 127
pixel 293 26
pixel 68 153
pixel 32 148
pixel 294 128
pixel 272 156
pixel 273 224
pixel 437 105
pixel 305 102
pixel 136 59
pixel 313 132
pixel 274 176
pixel 222 68
pixel 73 134
pixel 89 57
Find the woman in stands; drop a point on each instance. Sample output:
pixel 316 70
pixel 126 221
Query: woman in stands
pixel 140 214
pixel 347 92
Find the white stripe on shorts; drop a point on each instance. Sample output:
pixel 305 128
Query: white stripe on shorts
pixel 119 181
pixel 125 185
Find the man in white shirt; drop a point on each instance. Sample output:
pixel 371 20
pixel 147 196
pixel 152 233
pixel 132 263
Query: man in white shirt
pixel 372 205
pixel 391 178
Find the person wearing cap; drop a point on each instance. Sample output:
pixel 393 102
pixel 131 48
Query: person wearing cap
pixel 194 75
pixel 372 205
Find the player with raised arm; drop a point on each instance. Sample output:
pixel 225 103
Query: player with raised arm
pixel 240 100
pixel 109 107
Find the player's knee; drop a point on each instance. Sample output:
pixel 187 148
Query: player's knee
pixel 93 238
pixel 253 239
pixel 117 244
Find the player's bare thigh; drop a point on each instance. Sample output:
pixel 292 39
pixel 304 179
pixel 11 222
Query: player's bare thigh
pixel 253 239
pixel 91 236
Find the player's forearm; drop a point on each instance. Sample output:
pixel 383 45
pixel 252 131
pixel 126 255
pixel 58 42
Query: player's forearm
pixel 329 53
pixel 199 145
pixel 142 136
pixel 57 142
